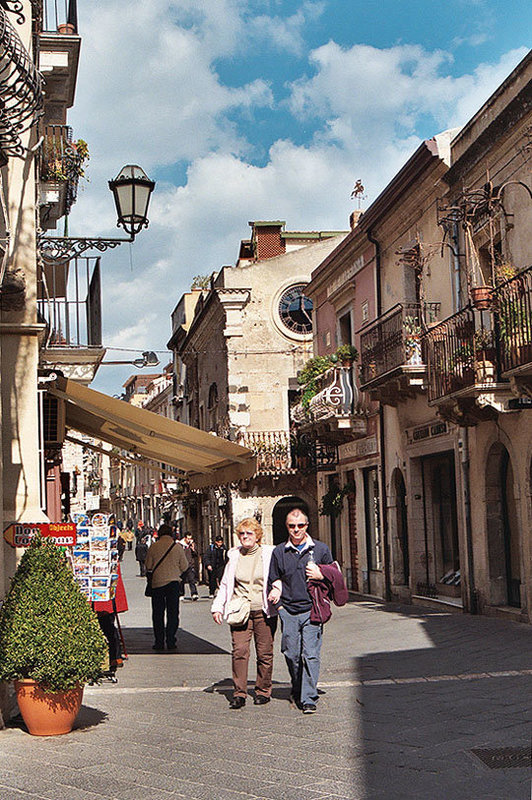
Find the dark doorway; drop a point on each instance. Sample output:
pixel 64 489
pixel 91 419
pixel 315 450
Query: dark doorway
pixel 280 510
pixel 402 529
pixel 441 520
pixel 373 523
pixel 502 527
pixel 353 541
pixel 511 537
pixel 334 527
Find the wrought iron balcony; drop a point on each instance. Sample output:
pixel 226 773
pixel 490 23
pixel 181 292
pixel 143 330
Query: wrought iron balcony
pixel 61 167
pixel 21 89
pixel 513 306
pixel 273 450
pixel 464 372
pixel 392 365
pixel 335 407
pixel 69 301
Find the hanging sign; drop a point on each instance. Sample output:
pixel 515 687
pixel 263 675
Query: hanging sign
pixel 20 534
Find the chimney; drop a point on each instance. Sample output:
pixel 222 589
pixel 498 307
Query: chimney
pixel 267 240
pixel 354 218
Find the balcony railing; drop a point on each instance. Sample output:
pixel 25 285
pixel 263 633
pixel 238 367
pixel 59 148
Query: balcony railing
pixel 461 353
pixel 69 301
pixel 513 304
pixel 336 396
pixel 62 161
pixel 394 340
pixel 272 448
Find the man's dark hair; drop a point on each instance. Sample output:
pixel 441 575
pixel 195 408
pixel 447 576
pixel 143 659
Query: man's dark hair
pixel 165 530
pixel 218 538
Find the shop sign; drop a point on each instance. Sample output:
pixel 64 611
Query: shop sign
pixel 359 448
pixel 20 534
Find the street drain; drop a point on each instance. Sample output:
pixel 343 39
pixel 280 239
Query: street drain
pixel 504 757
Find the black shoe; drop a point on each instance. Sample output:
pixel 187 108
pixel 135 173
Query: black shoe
pixel 260 700
pixel 158 648
pixel 237 702
pixel 309 708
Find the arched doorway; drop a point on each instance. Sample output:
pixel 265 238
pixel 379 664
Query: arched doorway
pixel 401 553
pixel 280 510
pixel 504 544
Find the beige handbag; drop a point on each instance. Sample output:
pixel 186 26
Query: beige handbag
pixel 238 610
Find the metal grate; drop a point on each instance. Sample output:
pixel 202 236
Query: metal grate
pixel 504 757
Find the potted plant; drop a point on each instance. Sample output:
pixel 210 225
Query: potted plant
pixel 307 377
pixel 412 334
pixel 50 641
pixel 346 354
pixel 481 297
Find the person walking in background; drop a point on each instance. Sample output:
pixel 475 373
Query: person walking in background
pixel 106 611
pixel 245 580
pixel 120 545
pixel 293 563
pixel 191 575
pixel 168 561
pixel 129 536
pixel 214 560
pixel 141 551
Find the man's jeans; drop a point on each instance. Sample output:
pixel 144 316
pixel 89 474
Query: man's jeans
pixel 301 646
pixel 165 599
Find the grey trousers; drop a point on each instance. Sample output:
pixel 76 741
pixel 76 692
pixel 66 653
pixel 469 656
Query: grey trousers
pixel 301 647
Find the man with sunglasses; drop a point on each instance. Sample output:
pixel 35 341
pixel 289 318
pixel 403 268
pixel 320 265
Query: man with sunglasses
pixel 293 564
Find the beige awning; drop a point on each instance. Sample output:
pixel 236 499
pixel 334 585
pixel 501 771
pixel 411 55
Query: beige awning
pixel 206 459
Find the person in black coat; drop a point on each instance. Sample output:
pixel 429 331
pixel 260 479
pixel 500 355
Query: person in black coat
pixel 214 561
pixel 141 551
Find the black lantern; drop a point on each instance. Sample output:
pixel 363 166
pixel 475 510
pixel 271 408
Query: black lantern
pixel 132 191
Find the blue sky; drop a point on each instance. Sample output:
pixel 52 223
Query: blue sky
pixel 256 109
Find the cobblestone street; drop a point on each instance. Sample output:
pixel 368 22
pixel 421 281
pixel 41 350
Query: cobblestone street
pixel 408 695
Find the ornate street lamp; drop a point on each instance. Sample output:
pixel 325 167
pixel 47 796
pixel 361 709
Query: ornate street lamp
pixel 132 191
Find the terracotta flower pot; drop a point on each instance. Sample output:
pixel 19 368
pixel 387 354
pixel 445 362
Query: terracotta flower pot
pixel 481 297
pixel 47 713
pixel 66 28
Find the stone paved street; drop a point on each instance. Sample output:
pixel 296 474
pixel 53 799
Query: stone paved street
pixel 408 693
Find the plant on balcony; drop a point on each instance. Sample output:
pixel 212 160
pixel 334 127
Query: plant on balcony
pixel 412 339
pixel 308 375
pixel 346 353
pixel 78 158
pixel 332 501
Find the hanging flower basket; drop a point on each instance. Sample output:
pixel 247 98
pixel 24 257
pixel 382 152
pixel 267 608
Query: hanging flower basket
pixel 481 297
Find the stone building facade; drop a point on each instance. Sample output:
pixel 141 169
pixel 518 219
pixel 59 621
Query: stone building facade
pixel 250 334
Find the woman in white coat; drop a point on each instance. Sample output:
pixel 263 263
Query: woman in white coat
pixel 244 585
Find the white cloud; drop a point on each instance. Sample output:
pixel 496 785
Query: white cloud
pixel 285 33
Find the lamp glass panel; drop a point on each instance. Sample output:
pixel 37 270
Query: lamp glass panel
pixel 142 198
pixel 124 192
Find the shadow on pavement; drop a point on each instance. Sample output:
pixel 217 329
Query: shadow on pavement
pixel 87 717
pixel 139 641
pixel 422 710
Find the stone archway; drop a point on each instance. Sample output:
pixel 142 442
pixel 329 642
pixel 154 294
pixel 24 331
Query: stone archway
pixel 502 526
pixel 280 510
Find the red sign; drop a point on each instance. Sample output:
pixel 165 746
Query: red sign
pixel 20 534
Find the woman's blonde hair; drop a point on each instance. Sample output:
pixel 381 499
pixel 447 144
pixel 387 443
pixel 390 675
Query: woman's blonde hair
pixel 250 523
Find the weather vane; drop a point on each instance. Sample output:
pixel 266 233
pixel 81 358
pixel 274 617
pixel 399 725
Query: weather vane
pixel 358 192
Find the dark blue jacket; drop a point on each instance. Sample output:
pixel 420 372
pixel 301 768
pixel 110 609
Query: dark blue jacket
pixel 288 565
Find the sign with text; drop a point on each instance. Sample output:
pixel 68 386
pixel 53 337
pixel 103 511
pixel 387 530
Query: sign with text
pixel 20 534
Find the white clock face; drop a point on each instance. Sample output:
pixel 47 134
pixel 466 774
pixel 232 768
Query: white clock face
pixel 295 310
